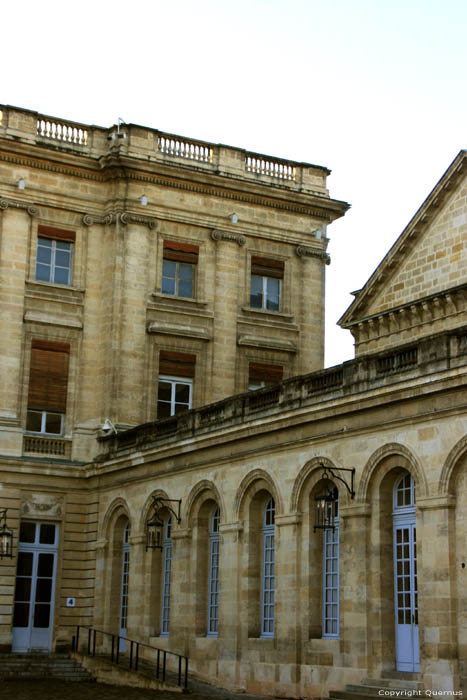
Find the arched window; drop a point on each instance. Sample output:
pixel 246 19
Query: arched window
pixel 213 590
pixel 125 581
pixel 268 576
pixel 331 579
pixel 167 565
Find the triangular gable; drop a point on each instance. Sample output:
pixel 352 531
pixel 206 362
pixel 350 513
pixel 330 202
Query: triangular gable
pixel 429 257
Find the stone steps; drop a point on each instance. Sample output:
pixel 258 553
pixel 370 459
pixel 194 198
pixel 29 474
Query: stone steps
pixel 403 685
pixel 35 666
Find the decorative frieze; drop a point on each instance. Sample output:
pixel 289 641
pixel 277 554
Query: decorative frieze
pixel 123 217
pixel 217 235
pixel 304 251
pixel 40 505
pixel 18 204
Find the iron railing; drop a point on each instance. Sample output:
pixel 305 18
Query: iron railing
pixel 163 664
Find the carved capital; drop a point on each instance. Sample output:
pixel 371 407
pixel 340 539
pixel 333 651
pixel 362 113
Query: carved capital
pixel 17 204
pixel 126 218
pixel 226 236
pixel 307 252
pixel 90 219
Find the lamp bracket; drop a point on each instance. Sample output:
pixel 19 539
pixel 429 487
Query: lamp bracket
pixel 159 502
pixel 332 470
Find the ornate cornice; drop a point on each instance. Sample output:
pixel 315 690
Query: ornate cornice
pixel 306 252
pixel 123 217
pixel 19 204
pixel 217 235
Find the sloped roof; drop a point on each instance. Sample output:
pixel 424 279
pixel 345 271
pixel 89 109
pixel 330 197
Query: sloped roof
pixel 409 236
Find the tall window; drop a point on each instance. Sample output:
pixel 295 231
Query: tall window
pixel 268 575
pixel 48 383
pixel 54 255
pixel 331 581
pixel 175 387
pixel 125 579
pixel 167 566
pixel 260 375
pixel 213 592
pixel 266 284
pixel 179 269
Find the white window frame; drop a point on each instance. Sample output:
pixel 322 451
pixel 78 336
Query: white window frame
pixel 331 588
pixel 268 583
pixel 174 381
pixel 53 250
pixel 256 385
pixel 125 577
pixel 42 431
pixel 264 294
pixel 166 578
pixel 177 279
pixel 213 588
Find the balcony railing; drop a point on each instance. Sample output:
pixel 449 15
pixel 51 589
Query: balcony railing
pixel 280 169
pixel 191 150
pixel 66 132
pixel 52 447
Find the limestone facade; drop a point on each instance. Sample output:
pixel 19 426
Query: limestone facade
pixel 244 585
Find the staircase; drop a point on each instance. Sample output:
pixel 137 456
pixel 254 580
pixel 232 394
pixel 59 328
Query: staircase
pixel 34 666
pixel 376 687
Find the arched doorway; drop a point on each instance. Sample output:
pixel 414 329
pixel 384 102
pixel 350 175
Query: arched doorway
pixel 405 575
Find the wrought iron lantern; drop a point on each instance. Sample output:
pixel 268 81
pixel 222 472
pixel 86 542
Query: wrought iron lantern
pixel 327 499
pixel 155 525
pixel 6 537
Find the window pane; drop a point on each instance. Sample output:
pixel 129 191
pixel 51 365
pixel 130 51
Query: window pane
pixel 182 393
pixel 168 285
pixel 168 277
pixel 43 272
pixel 47 534
pixel 164 391
pixel 185 272
pixel 61 275
pixel 256 296
pixel 273 294
pixel 24 564
pixel 46 565
pixel 181 408
pixel 23 589
pixel 41 615
pixel 43 255
pixel 34 421
pixel 21 615
pixel 185 289
pixel 168 269
pixel 53 423
pixel 43 590
pixel 62 258
pixel 27 533
pixel 163 410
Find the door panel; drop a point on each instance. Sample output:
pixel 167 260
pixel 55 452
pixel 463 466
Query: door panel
pixel 406 597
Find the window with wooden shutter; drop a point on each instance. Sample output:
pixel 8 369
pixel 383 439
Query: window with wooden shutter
pixel 48 385
pixel 175 387
pixel 260 375
pixel 266 283
pixel 178 269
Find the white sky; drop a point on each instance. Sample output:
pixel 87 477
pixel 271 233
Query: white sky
pixel 373 89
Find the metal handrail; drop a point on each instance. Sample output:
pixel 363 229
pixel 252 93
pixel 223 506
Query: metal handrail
pixel 134 658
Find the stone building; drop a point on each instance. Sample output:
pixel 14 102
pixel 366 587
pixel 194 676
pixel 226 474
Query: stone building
pixel 177 298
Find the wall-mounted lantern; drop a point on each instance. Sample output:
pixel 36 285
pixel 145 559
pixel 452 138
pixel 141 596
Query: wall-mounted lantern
pixel 155 525
pixel 6 537
pixel 327 498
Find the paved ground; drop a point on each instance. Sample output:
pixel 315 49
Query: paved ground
pixel 65 690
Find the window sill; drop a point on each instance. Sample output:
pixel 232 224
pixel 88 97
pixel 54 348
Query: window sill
pixel 178 300
pixel 268 314
pixel 54 285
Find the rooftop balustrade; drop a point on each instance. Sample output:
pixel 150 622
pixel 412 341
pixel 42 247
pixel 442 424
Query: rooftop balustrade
pixel 142 142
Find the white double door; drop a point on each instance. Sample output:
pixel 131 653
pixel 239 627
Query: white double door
pixel 406 595
pixel 34 599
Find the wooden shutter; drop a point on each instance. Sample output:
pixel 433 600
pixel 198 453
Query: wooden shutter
pixel 56 233
pixel 267 268
pixel 181 252
pixel 48 376
pixel 177 364
pixel 270 374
